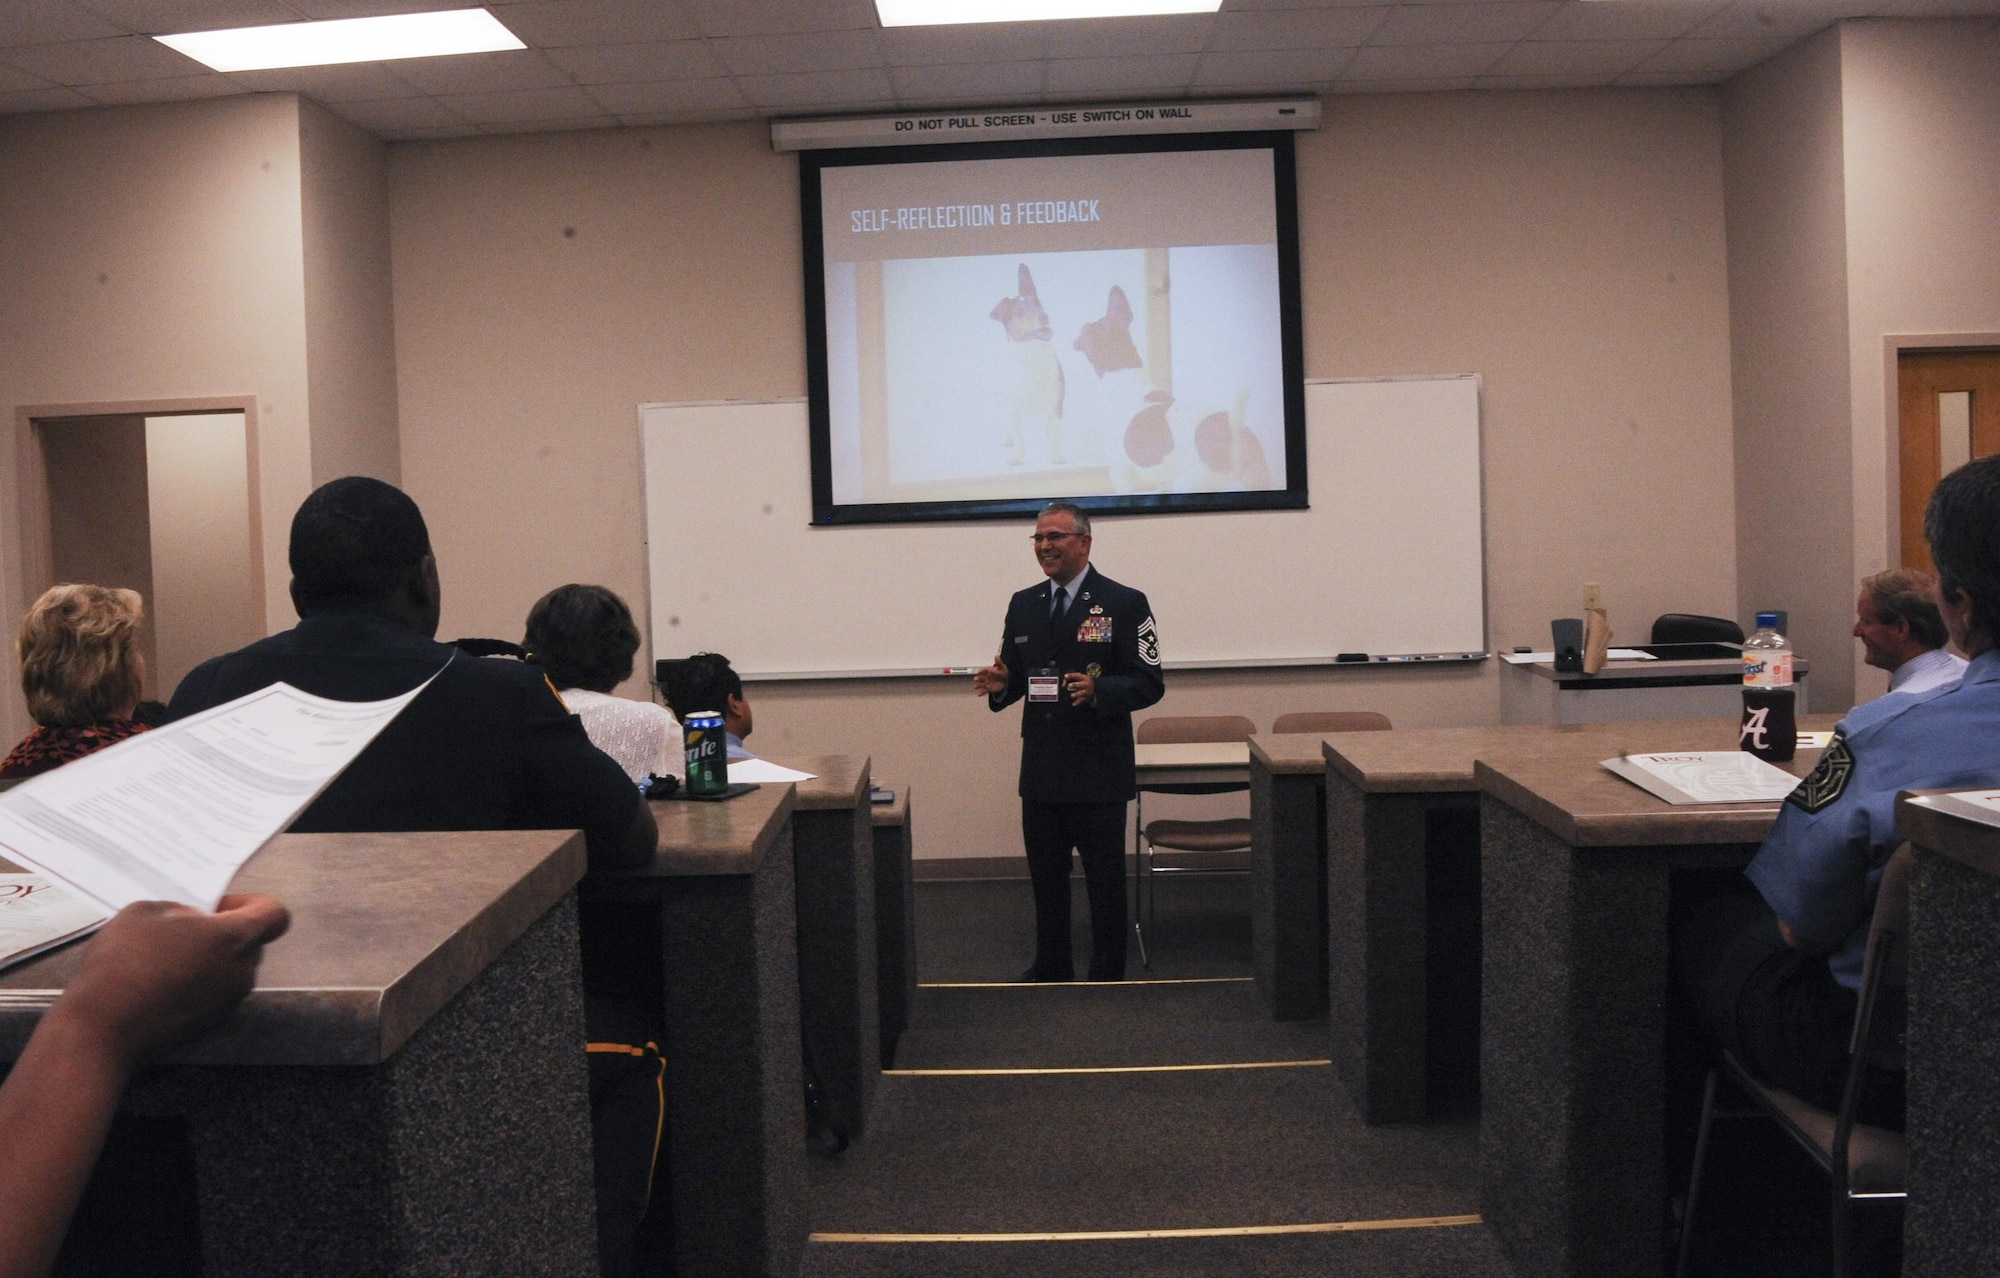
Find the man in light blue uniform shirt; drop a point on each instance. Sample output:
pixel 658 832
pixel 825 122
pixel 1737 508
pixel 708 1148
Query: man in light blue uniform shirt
pixel 1775 975
pixel 1896 619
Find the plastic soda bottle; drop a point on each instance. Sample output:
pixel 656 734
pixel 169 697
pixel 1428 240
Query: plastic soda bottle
pixel 1770 724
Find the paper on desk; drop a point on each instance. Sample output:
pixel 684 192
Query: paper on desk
pixel 172 814
pixel 1705 776
pixel 763 770
pixel 1976 805
pixel 36 915
pixel 1614 654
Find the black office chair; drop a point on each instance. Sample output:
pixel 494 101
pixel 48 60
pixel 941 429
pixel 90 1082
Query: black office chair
pixel 1863 1164
pixel 1691 627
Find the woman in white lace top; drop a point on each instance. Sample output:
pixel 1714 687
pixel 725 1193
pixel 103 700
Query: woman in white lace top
pixel 583 638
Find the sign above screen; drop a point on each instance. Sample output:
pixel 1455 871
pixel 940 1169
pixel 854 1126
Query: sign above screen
pixel 1112 321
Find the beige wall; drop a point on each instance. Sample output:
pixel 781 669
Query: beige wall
pixel 198 503
pixel 350 325
pixel 1569 246
pixel 98 526
pixel 154 253
pixel 1921 122
pixel 1788 328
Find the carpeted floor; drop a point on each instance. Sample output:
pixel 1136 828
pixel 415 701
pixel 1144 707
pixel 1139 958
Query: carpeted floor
pixel 1136 1147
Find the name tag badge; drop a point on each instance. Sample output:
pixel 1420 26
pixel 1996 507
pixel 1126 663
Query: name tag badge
pixel 1044 685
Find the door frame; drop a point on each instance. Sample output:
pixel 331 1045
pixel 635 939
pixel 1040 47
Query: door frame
pixel 36 563
pixel 1894 347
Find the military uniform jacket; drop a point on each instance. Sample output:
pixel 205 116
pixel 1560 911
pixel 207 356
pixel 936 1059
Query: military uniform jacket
pixel 1081 754
pixel 1822 862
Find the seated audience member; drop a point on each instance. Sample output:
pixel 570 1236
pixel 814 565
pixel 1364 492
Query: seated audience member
pixel 1896 619
pixel 583 638
pixel 1774 973
pixel 80 669
pixel 706 682
pixel 486 746
pixel 156 976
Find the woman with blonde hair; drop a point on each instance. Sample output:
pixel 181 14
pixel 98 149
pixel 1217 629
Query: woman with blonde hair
pixel 81 671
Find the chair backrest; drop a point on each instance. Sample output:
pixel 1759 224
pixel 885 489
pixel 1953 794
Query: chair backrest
pixel 1332 721
pixel 1885 974
pixel 1168 729
pixel 1691 627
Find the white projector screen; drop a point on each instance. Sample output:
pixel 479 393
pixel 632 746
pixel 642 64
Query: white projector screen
pixel 989 333
pixel 1388 560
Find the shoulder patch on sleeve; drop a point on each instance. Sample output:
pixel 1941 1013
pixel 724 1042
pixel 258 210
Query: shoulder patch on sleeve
pixel 1827 782
pixel 1149 643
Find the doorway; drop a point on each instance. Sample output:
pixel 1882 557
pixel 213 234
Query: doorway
pixel 162 503
pixel 1948 412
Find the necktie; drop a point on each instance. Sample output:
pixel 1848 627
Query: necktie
pixel 1062 603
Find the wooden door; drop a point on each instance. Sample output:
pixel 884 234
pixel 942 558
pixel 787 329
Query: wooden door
pixel 1949 413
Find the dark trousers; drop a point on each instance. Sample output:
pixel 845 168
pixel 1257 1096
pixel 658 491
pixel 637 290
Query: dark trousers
pixel 1776 1009
pixel 1097 832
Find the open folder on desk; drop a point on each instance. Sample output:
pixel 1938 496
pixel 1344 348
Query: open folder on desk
pixel 172 814
pixel 1705 776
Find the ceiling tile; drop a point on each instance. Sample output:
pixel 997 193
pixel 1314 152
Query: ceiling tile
pixel 1524 82
pixel 14 80
pixel 322 10
pixel 1259 6
pixel 970 42
pixel 668 97
pixel 480 72
pixel 822 91
pixel 520 106
pixel 1595 60
pixel 632 63
pixel 442 134
pixel 1422 62
pixel 1639 80
pixel 102 61
pixel 1272 67
pixel 178 89
pixel 164 17
pixel 353 82
pixel 669 119
pixel 555 24
pixel 51 22
pixel 1719 58
pixel 1627 19
pixel 1156 75
pixel 1765 19
pixel 399 113
pixel 1129 37
pixel 1294 28
pixel 967 84
pixel 1463 23
pixel 797 54
pixel 770 17
pixel 549 124
pixel 24 101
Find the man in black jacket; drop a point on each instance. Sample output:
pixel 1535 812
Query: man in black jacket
pixel 1084 652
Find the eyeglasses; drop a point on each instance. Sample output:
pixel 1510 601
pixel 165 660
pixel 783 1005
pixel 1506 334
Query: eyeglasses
pixel 1053 538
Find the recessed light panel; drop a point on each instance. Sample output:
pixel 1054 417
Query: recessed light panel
pixel 938 13
pixel 317 44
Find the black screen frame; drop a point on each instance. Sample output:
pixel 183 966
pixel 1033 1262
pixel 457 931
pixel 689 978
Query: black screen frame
pixel 1284 181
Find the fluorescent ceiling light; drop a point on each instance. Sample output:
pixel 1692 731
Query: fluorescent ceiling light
pixel 938 13
pixel 318 44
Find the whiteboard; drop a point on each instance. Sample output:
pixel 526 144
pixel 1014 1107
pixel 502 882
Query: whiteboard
pixel 1388 560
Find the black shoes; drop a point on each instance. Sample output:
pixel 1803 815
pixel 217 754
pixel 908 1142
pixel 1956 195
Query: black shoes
pixel 1035 976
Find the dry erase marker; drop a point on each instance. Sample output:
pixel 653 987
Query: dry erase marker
pixel 961 670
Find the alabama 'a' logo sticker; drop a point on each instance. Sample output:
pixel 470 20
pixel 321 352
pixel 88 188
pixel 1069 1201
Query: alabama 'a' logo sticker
pixel 1149 643
pixel 1827 782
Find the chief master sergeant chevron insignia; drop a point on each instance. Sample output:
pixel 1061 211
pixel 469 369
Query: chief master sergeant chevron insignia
pixel 1149 643
pixel 1827 782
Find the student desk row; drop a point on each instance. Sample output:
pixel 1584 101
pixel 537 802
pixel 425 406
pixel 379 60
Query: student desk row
pixel 411 1049
pixel 1572 864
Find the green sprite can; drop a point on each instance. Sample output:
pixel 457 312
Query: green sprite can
pixel 707 752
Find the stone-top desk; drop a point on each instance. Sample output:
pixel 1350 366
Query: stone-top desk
pixel 715 912
pixel 412 1043
pixel 1951 1225
pixel 895 919
pixel 1575 867
pixel 1288 872
pixel 1676 688
pixel 835 864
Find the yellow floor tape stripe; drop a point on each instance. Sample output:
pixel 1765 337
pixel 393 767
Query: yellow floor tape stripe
pixel 1037 985
pixel 1115 1235
pixel 1102 1069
